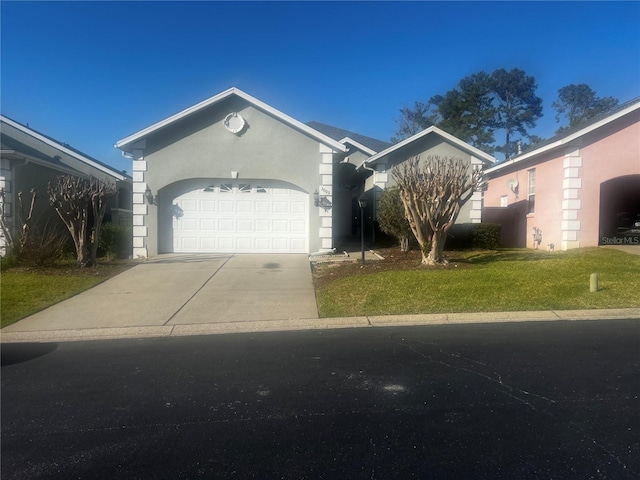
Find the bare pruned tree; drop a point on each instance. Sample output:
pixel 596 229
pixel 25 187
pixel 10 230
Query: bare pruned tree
pixel 433 192
pixel 81 204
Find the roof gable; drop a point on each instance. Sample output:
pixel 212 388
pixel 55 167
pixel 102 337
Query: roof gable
pixel 52 161
pixel 366 144
pixel 563 140
pixel 464 146
pixel 127 143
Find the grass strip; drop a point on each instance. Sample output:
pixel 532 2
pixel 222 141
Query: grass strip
pixel 495 281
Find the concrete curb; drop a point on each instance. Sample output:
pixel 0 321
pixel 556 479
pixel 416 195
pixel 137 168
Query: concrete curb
pixel 315 324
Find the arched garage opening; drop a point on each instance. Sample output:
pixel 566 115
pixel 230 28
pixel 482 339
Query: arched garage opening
pixel 620 211
pixel 233 216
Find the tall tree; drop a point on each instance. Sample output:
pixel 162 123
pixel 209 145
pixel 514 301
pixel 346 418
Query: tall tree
pixel 518 107
pixel 433 192
pixel 467 112
pixel 480 105
pixel 411 121
pixel 578 103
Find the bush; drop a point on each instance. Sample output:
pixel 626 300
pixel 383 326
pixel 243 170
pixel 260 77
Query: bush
pixel 486 235
pixel 41 246
pixel 7 262
pixel 392 218
pixel 115 241
pixel 473 235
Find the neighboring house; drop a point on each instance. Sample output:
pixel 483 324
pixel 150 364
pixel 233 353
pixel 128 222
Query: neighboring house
pixel 579 189
pixel 29 159
pixel 233 174
pixel 430 142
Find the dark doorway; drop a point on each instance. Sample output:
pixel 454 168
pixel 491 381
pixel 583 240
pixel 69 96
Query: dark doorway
pixel 620 211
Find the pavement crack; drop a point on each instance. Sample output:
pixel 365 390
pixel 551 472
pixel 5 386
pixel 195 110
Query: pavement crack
pixel 616 458
pixel 493 377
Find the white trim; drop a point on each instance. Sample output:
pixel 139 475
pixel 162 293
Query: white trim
pixel 358 145
pixel 566 140
pixel 484 157
pixel 62 148
pixel 122 144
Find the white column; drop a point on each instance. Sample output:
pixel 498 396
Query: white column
pixel 325 189
pixel 140 209
pixel 571 203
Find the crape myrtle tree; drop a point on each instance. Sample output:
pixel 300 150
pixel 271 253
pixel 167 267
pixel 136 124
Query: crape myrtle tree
pixel 578 103
pixel 81 204
pixel 433 192
pixel 480 105
pixel 392 218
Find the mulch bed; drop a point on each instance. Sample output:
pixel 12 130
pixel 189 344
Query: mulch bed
pixel 393 260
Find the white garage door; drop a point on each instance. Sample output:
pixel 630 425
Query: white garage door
pixel 242 217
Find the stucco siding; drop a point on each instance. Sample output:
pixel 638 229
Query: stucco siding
pixel 606 155
pixel 200 150
pixel 568 203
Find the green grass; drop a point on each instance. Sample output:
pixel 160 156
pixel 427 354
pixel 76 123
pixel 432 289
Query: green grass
pixel 26 293
pixel 508 280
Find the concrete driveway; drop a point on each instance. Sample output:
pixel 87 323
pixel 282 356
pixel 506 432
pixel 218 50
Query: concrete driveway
pixel 188 289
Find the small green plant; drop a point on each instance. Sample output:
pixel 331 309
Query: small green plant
pixel 115 241
pixel 7 262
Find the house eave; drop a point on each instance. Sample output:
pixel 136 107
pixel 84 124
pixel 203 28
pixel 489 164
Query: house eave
pixel 126 143
pixel 482 156
pixel 563 142
pixel 63 149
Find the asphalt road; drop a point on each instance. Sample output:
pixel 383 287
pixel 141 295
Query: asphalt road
pixel 548 400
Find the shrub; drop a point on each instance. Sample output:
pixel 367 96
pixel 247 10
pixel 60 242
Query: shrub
pixel 42 246
pixel 486 235
pixel 392 218
pixel 7 262
pixel 473 235
pixel 115 241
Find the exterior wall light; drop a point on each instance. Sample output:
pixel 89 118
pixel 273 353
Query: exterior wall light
pixel 149 196
pixel 321 201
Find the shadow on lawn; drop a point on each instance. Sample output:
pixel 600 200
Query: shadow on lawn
pixel 484 257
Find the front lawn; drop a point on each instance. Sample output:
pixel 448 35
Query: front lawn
pixel 25 291
pixel 483 281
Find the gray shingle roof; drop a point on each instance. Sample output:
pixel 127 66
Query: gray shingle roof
pixel 339 133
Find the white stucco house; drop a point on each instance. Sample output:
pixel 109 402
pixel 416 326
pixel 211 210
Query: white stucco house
pixel 234 174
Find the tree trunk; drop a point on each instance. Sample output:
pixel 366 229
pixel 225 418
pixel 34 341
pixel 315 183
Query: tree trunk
pixel 436 254
pixel 404 244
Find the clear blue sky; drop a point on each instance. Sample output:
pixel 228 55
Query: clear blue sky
pixel 91 73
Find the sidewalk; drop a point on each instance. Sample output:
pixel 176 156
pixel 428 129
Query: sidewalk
pixel 315 324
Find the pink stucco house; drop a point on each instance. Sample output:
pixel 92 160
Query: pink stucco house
pixel 581 189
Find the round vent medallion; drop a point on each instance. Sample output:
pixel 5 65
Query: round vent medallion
pixel 234 122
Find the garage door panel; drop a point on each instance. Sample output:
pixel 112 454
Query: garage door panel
pixel 208 206
pixel 226 206
pixel 297 226
pixel 280 207
pixel 208 224
pixel 226 225
pixel 242 218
